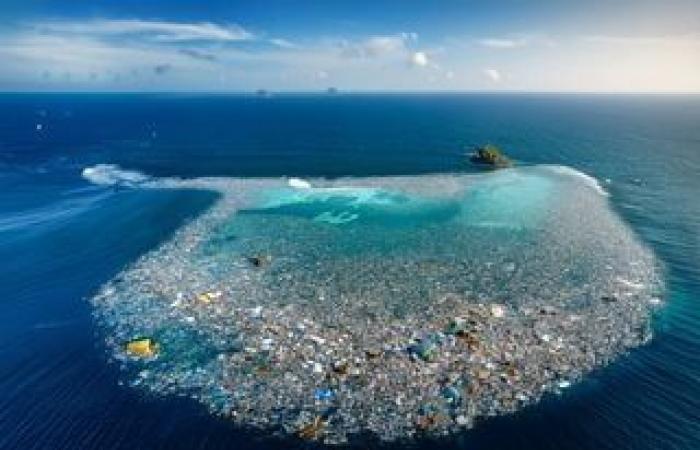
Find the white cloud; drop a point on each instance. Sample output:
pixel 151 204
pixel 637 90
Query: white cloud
pixel 493 75
pixel 379 46
pixel 517 41
pixel 154 30
pixel 419 59
pixel 136 54
pixel 388 49
pixel 74 53
pixel 198 54
pixel 283 43
pixel 503 43
pixel 143 54
pixel 76 62
pixel 104 54
pixel 682 39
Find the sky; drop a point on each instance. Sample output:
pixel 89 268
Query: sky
pixel 301 45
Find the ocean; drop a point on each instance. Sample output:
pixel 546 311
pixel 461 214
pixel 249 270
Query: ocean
pixel 62 237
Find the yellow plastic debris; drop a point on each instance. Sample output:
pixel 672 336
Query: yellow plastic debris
pixel 208 297
pixel 312 430
pixel 143 348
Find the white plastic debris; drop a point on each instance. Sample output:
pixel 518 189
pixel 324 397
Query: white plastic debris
pixel 498 311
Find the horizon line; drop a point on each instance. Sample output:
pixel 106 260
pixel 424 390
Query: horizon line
pixel 339 92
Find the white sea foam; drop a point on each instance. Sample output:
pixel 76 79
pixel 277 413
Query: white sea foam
pixel 336 219
pixel 587 179
pixel 298 183
pixel 48 214
pixel 630 284
pixel 112 175
pixel 356 196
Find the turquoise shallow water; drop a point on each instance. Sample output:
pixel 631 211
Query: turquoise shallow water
pixel 542 232
pixel 507 198
pixel 60 238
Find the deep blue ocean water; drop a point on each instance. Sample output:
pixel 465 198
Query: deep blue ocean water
pixel 61 238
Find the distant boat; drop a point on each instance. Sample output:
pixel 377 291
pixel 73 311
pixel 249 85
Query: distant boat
pixel 332 90
pixel 263 93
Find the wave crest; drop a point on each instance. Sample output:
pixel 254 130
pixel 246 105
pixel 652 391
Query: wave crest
pixel 588 180
pixel 113 175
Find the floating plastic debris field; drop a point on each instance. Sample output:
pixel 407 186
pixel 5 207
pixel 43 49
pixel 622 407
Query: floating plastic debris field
pixel 390 305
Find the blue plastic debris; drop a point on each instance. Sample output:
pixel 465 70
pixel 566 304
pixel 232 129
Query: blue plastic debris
pixel 323 394
pixel 451 395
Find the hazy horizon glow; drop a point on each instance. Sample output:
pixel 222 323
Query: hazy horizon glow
pixel 621 46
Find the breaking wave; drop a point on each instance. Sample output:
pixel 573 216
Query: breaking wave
pixel 588 180
pixel 113 175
